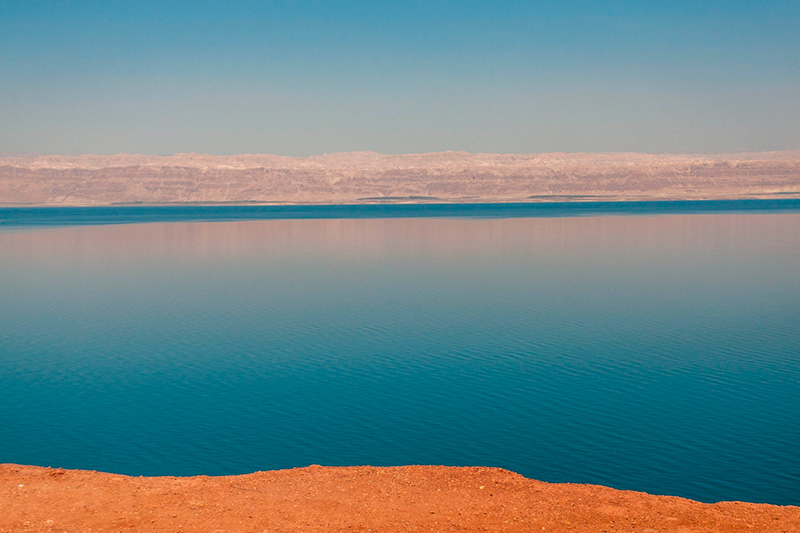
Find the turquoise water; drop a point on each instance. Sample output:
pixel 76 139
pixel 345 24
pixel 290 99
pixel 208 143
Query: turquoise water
pixel 49 216
pixel 657 352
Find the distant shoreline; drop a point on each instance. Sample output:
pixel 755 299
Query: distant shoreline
pixel 371 178
pixel 375 201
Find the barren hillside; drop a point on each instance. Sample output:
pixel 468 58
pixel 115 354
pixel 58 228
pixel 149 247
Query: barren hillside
pixel 368 177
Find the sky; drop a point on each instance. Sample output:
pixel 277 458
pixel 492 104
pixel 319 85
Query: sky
pixel 305 78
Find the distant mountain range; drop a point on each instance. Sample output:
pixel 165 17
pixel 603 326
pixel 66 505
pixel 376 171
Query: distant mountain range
pixel 369 177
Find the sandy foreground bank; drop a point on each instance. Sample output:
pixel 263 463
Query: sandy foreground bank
pixel 315 498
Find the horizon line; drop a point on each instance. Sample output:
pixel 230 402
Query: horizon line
pixel 17 154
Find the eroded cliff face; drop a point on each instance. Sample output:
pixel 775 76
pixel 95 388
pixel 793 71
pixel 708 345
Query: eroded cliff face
pixel 367 177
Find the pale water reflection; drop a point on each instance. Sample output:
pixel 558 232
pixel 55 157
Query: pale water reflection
pixel 654 353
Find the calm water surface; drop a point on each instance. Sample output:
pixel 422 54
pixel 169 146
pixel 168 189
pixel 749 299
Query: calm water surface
pixel 658 353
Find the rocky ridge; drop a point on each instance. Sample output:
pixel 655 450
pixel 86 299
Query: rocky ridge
pixel 368 177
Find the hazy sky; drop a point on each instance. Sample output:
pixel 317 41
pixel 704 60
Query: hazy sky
pixel 305 78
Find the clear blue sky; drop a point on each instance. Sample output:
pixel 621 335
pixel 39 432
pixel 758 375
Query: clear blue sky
pixel 305 78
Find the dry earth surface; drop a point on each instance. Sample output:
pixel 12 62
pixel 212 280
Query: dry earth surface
pixel 368 177
pixel 407 498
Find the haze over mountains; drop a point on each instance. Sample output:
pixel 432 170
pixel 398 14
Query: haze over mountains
pixel 369 177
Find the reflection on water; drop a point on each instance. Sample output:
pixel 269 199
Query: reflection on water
pixel 655 353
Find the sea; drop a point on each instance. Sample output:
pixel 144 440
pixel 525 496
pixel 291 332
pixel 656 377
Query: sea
pixel 647 346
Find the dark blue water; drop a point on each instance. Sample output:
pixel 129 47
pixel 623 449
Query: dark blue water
pixel 658 353
pixel 50 216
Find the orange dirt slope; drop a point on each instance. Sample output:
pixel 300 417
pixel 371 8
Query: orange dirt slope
pixel 315 498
